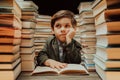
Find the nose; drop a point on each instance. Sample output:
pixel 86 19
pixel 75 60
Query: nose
pixel 62 28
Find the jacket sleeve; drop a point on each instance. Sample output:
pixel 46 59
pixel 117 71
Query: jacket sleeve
pixel 72 51
pixel 42 55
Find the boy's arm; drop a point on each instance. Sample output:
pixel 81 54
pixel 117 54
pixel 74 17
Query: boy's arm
pixel 72 52
pixel 42 56
pixel 43 59
pixel 72 49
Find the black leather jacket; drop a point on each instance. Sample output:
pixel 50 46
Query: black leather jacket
pixel 51 51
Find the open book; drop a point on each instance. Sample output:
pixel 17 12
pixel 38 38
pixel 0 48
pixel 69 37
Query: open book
pixel 70 69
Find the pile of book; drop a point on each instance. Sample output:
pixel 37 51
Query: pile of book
pixel 87 34
pixel 42 32
pixel 107 24
pixel 10 39
pixel 27 50
pixel 77 35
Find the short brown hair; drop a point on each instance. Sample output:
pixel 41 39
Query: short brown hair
pixel 63 14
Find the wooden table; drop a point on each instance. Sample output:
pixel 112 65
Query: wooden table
pixel 27 76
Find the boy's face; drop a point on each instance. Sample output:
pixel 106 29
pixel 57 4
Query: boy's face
pixel 61 28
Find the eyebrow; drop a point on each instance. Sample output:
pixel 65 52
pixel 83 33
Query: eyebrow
pixel 60 23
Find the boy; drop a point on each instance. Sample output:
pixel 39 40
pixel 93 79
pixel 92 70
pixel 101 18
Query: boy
pixel 61 48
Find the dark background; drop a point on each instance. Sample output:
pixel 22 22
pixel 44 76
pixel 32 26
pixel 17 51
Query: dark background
pixel 49 7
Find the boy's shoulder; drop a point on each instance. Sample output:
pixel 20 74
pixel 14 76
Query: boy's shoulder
pixel 76 42
pixel 50 38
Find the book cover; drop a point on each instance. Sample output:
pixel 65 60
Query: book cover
pixel 108 28
pixel 105 4
pixel 109 53
pixel 108 40
pixel 9 65
pixel 10 32
pixel 9 40
pixel 110 15
pixel 12 73
pixel 10 20
pixel 9 57
pixel 107 64
pixel 9 48
pixel 107 75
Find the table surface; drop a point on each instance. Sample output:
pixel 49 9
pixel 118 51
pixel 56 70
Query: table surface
pixel 27 76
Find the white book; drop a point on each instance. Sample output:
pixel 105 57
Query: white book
pixel 70 69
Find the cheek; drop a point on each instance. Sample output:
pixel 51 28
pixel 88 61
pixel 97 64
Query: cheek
pixel 57 32
pixel 67 30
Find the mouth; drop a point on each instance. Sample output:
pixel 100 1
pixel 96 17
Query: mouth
pixel 63 35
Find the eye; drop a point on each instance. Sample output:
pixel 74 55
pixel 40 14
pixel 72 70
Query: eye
pixel 67 26
pixel 58 26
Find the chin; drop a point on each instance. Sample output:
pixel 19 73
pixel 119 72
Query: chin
pixel 63 40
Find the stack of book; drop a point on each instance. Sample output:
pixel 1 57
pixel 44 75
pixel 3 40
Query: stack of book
pixel 42 32
pixel 10 39
pixel 77 35
pixel 27 50
pixel 107 24
pixel 87 34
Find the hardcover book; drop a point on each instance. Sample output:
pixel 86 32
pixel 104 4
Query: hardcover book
pixel 107 75
pixel 110 15
pixel 106 4
pixel 110 53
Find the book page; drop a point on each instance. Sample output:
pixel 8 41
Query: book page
pixel 70 69
pixel 74 68
pixel 44 69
